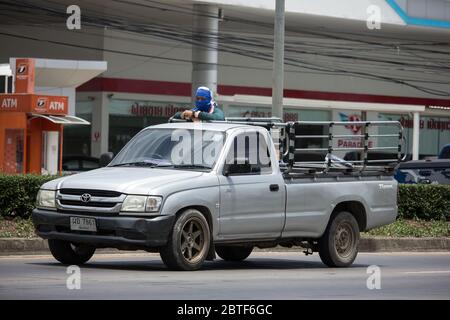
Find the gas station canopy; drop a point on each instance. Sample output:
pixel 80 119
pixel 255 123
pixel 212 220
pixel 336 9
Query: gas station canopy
pixel 55 73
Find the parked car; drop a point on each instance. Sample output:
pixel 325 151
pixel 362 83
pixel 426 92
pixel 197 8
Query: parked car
pixel 435 171
pixel 445 152
pixel 79 163
pixel 188 212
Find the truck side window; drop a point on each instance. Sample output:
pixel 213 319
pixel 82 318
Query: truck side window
pixel 251 147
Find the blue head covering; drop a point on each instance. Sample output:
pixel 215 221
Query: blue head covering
pixel 203 105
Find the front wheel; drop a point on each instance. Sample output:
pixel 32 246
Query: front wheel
pixel 70 253
pixel 188 243
pixel 338 247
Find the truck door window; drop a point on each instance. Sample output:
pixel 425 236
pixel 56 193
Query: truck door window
pixel 250 147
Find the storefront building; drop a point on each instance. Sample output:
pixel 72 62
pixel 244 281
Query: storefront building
pixel 128 113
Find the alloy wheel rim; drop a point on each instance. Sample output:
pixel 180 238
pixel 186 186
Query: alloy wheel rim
pixel 192 241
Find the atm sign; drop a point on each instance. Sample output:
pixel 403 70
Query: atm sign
pixel 8 103
pixel 56 106
pixel 50 104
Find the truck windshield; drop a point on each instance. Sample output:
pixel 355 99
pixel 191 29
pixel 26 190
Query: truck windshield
pixel 189 149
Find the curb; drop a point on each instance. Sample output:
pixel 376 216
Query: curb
pixel 379 244
pixel 21 246
pixel 10 246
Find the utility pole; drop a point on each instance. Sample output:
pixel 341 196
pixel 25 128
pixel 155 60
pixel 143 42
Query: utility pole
pixel 204 49
pixel 278 61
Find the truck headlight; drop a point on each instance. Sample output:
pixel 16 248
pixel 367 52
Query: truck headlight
pixel 153 204
pixel 141 204
pixel 46 199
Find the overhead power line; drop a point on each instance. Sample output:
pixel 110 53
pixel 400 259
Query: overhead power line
pixel 351 57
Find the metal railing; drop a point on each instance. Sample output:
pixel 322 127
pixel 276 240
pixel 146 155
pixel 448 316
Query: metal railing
pixel 363 146
pixel 288 138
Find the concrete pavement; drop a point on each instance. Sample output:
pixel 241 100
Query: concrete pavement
pixel 265 275
pixel 14 246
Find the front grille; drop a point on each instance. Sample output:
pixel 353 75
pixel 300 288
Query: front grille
pixel 101 200
pixel 93 193
pixel 88 204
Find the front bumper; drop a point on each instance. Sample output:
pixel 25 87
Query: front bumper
pixel 112 232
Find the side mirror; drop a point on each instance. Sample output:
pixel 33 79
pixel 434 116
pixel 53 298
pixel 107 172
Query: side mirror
pixel 106 158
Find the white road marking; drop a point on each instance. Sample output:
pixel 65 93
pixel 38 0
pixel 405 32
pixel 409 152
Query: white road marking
pixel 428 272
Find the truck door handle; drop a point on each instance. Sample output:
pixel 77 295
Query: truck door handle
pixel 274 187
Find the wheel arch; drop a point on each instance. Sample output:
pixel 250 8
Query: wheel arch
pixel 203 210
pixel 356 209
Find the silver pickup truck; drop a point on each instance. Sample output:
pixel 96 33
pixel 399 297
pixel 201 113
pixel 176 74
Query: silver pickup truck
pixel 189 191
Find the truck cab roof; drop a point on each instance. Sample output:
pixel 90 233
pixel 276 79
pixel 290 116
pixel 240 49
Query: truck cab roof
pixel 203 126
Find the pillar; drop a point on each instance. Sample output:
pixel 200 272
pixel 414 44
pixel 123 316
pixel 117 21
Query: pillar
pixel 100 124
pixel 278 61
pixel 416 132
pixel 205 47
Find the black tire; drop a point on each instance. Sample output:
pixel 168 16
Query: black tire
pixel 233 253
pixel 70 253
pixel 338 247
pixel 188 243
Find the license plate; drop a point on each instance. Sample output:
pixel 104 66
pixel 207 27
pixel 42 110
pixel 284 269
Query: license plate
pixel 83 224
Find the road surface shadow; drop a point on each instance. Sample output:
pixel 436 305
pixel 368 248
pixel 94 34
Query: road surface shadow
pixel 217 265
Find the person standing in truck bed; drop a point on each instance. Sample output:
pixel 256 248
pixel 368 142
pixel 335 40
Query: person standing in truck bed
pixel 205 107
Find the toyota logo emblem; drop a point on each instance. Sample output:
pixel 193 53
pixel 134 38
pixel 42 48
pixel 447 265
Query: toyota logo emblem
pixel 86 197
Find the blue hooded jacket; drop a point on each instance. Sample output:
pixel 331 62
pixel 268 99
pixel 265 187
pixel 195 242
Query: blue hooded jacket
pixel 207 107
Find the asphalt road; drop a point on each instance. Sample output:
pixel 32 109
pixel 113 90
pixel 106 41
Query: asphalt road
pixel 265 275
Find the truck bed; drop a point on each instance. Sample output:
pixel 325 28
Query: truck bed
pixel 310 200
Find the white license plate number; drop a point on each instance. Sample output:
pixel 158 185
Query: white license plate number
pixel 83 224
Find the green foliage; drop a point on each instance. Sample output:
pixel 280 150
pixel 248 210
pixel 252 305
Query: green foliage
pixel 16 228
pixel 412 228
pixel 425 202
pixel 18 193
pixel 418 201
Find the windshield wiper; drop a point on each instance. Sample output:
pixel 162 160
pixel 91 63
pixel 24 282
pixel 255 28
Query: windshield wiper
pixel 192 166
pixel 141 164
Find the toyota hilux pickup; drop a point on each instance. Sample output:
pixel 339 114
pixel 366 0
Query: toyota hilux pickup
pixel 193 190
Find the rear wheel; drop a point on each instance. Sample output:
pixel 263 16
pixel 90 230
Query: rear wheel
pixel 338 247
pixel 233 253
pixel 188 243
pixel 70 253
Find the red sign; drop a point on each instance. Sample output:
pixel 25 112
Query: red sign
pixel 354 127
pixel 34 103
pixel 24 77
pixel 146 110
pixel 8 103
pixel 344 143
pixel 430 124
pixel 287 116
